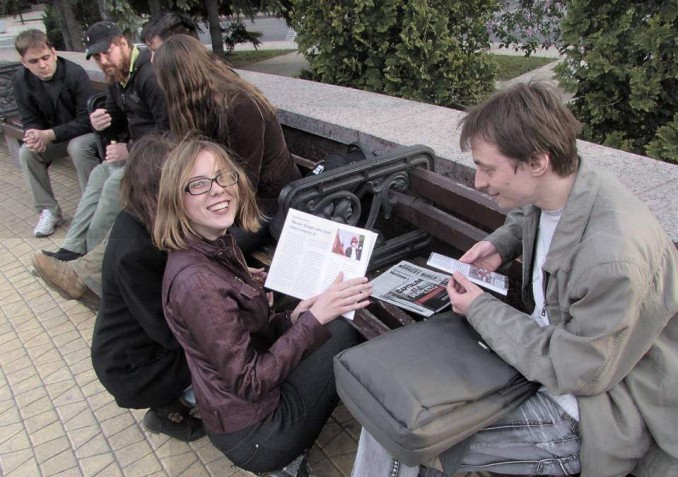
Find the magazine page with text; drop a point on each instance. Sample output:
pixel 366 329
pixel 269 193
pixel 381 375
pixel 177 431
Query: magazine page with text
pixel 312 251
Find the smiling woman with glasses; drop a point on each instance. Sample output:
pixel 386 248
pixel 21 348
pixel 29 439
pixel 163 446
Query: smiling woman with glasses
pixel 264 381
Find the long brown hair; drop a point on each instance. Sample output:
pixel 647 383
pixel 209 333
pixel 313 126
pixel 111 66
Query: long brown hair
pixel 140 183
pixel 173 228
pixel 199 88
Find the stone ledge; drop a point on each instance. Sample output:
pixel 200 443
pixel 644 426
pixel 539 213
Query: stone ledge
pixel 346 115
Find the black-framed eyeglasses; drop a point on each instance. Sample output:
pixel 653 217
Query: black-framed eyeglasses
pixel 203 185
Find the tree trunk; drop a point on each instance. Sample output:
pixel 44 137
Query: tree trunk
pixel 71 31
pixel 215 26
pixel 154 7
pixel 103 11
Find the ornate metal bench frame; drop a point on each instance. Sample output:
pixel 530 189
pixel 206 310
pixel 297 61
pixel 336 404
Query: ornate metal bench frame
pixel 360 193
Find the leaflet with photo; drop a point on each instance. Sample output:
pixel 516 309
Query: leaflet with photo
pixel 491 280
pixel 312 251
pixel 412 288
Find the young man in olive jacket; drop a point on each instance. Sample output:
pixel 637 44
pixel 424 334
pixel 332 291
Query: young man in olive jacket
pixel 600 286
pixel 51 94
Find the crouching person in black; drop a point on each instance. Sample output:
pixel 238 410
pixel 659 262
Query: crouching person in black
pixel 134 353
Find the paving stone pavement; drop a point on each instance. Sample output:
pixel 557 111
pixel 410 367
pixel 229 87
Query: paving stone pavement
pixel 56 418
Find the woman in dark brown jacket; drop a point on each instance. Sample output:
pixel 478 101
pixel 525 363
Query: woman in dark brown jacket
pixel 205 97
pixel 264 381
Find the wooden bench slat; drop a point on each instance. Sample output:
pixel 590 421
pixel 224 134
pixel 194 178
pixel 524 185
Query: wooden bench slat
pixel 436 222
pixel 392 316
pixel 11 130
pixel 468 204
pixel 368 325
pixel 303 162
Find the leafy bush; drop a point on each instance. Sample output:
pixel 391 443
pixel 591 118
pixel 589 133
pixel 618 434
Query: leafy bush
pixel 425 50
pixel 527 25
pixel 621 63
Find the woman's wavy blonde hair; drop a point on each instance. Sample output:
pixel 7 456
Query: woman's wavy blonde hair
pixel 173 228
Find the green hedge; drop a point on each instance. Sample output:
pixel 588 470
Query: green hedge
pixel 621 63
pixel 425 50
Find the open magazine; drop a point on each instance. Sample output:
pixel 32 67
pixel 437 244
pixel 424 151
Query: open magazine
pixel 490 280
pixel 413 288
pixel 312 251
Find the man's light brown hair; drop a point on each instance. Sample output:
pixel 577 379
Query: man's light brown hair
pixel 523 121
pixel 31 39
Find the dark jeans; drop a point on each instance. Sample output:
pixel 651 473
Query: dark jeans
pixel 307 398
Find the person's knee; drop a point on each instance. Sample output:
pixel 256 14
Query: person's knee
pixel 110 193
pixel 26 156
pixel 98 177
pixel 81 148
pixel 344 335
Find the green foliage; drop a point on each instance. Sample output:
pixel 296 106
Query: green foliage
pixel 425 50
pixel 665 144
pixel 237 32
pixel 621 63
pixel 10 7
pixel 127 19
pixel 527 24
pixel 52 28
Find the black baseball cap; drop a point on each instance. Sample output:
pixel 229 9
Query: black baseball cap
pixel 98 37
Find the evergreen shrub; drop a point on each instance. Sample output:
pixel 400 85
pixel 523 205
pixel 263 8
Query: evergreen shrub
pixel 432 51
pixel 622 65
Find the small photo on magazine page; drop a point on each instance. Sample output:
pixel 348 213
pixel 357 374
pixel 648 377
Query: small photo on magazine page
pixel 348 244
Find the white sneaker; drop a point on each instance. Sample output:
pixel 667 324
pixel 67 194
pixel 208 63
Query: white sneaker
pixel 46 224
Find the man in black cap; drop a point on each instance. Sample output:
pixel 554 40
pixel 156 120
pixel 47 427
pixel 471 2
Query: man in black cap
pixel 135 105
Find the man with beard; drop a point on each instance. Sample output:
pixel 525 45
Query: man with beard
pixel 135 106
pixel 52 95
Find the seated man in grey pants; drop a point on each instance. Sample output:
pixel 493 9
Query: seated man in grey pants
pixel 135 106
pixel 81 279
pixel 51 95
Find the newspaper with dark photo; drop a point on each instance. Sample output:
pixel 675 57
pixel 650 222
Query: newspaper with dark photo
pixel 412 288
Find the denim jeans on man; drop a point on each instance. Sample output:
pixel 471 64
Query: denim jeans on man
pixel 537 438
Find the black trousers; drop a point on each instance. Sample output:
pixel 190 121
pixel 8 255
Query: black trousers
pixel 307 398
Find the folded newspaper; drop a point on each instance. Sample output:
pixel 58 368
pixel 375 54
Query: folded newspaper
pixel 413 288
pixel 491 280
pixel 312 251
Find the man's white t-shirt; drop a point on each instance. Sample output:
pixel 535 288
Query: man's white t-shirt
pixel 547 226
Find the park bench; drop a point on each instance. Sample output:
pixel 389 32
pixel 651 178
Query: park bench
pixel 413 209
